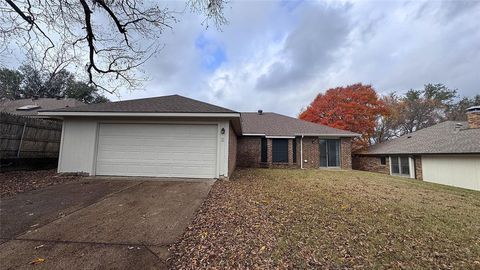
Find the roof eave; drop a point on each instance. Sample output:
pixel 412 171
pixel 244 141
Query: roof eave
pixel 138 114
pixel 328 135
pixel 419 153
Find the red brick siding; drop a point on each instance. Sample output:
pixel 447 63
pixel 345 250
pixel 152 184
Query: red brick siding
pixel 473 119
pixel 248 151
pixel 418 168
pixel 232 151
pixel 346 153
pixel 371 164
pixel 311 152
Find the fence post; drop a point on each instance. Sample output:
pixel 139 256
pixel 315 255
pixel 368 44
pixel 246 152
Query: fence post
pixel 21 139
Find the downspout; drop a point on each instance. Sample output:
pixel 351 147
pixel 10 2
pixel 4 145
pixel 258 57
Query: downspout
pixel 301 152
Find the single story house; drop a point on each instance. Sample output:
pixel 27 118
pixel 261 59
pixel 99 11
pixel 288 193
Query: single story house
pixel 447 153
pixel 30 107
pixel 175 136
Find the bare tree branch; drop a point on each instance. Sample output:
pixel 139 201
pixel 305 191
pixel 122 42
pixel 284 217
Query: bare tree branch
pixel 106 40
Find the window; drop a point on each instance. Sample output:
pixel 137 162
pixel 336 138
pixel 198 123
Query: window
pixel 383 160
pixel 329 153
pixel 400 165
pixel 263 146
pixel 404 166
pixel 280 150
pixel 294 150
pixel 395 165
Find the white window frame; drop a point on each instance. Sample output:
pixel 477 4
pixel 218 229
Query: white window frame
pixel 411 166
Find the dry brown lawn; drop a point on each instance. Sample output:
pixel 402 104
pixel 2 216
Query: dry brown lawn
pixel 274 219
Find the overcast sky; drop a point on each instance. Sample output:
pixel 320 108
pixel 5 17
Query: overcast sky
pixel 278 55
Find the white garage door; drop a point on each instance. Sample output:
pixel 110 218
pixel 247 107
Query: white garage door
pixel 161 150
pixel 458 171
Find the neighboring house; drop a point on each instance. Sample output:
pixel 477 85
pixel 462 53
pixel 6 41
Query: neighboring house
pixel 447 153
pixel 30 107
pixel 175 136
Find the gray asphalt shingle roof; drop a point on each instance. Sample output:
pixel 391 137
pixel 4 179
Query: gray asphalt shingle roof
pixel 442 138
pixel 11 106
pixel 164 104
pixel 273 124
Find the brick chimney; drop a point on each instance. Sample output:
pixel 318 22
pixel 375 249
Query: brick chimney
pixel 473 117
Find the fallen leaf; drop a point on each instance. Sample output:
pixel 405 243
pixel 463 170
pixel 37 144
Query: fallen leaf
pixel 37 261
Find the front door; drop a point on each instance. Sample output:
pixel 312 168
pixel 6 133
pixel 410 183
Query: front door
pixel 329 153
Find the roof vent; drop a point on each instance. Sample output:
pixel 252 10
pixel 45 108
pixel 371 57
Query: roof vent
pixel 260 112
pixel 28 107
pixel 458 126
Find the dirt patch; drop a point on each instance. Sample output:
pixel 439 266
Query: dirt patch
pixel 303 219
pixel 15 182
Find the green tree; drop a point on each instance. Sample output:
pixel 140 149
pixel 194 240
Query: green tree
pixel 456 111
pixel 425 107
pixel 10 81
pixel 84 92
pixel 29 82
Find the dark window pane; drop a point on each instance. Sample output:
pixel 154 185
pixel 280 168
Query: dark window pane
pixel 264 150
pixel 294 149
pixel 383 160
pixel 405 166
pixel 395 165
pixel 323 153
pixel 333 153
pixel 280 150
pixel 329 153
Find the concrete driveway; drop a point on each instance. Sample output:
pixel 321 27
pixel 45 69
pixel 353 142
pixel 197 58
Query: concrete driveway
pixel 98 223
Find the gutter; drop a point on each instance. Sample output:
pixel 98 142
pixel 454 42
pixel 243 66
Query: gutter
pixel 141 114
pixel 329 135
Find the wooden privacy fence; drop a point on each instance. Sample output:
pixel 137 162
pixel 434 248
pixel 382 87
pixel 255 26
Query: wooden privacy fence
pixel 24 137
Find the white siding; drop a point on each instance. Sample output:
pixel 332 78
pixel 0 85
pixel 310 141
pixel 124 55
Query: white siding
pixel 79 142
pixel 458 171
pixel 77 146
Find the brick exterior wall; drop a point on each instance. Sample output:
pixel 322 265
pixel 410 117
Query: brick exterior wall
pixel 418 168
pixel 473 119
pixel 370 164
pixel 289 164
pixel 373 164
pixel 248 151
pixel 346 153
pixel 232 151
pixel 311 152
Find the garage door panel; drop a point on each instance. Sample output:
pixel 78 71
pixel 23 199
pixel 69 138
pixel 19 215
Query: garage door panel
pixel 459 171
pixel 157 150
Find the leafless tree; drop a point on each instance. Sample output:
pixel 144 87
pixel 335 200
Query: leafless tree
pixel 107 39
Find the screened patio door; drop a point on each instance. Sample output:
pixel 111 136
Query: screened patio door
pixel 329 153
pixel 400 165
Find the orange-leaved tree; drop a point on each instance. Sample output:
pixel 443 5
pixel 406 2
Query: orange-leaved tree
pixel 355 108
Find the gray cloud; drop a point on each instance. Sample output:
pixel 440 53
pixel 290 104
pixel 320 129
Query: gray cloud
pixel 303 48
pixel 309 48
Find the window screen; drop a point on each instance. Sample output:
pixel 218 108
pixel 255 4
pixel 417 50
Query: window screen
pixel 395 165
pixel 294 149
pixel 405 166
pixel 383 160
pixel 329 153
pixel 263 145
pixel 280 150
